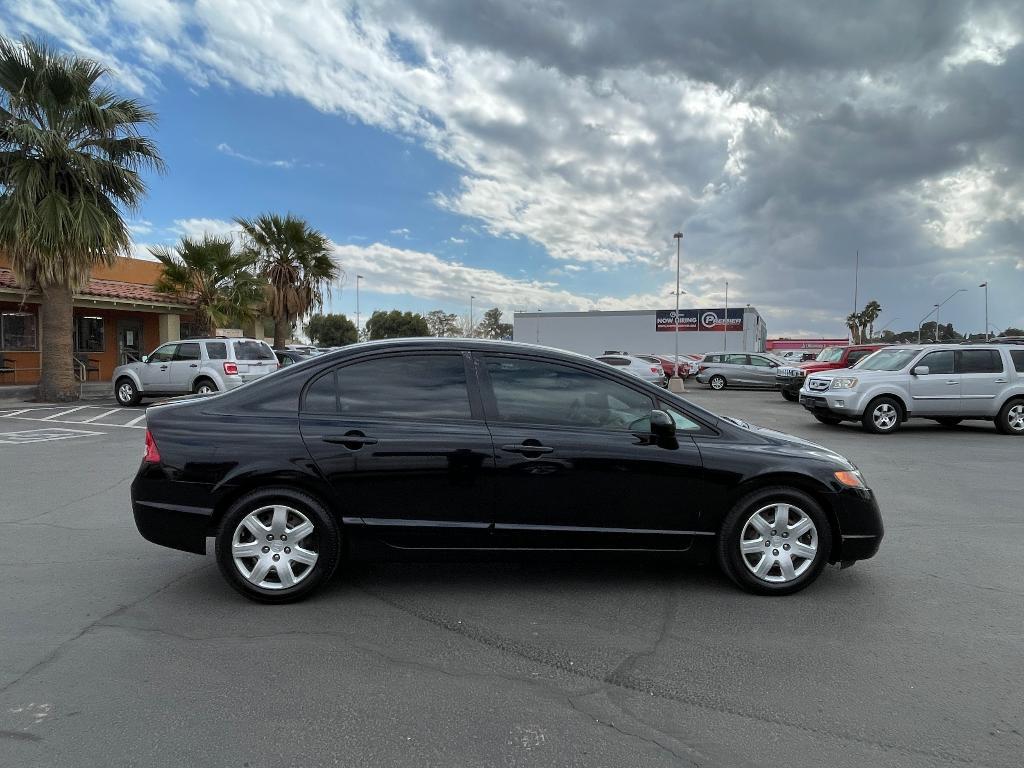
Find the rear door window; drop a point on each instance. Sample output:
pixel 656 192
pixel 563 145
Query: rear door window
pixel 980 361
pixel 736 360
pixel 189 351
pixel 1017 355
pixel 253 350
pixel 760 362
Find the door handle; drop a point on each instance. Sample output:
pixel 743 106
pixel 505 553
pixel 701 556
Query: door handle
pixel 952 382
pixel 163 367
pixel 193 365
pixel 526 449
pixel 1000 381
pixel 351 440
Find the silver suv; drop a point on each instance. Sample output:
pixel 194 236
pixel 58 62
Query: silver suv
pixel 195 365
pixel 947 383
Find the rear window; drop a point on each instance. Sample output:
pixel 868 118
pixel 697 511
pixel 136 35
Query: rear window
pixel 614 360
pixel 856 355
pixel 1017 355
pixel 253 350
pixel 217 350
pixel 980 361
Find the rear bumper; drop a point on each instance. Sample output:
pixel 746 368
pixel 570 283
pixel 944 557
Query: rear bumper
pixel 170 525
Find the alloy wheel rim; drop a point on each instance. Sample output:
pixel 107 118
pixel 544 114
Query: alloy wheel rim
pixel 716 383
pixel 884 416
pixel 124 392
pixel 779 543
pixel 1015 418
pixel 274 547
pixel 204 389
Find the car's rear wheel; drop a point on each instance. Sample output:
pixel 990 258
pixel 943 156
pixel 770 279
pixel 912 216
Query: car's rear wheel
pixel 791 396
pixel 717 382
pixel 949 421
pixel 1010 420
pixel 126 392
pixel 882 416
pixel 775 541
pixel 204 387
pixel 824 418
pixel 277 545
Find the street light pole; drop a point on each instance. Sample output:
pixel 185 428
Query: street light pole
pixel 675 384
pixel 985 286
pixel 936 308
pixel 358 278
pixel 725 323
pixel 471 316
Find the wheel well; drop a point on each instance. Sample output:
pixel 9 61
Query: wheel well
pixel 808 485
pixel 1012 399
pixel 237 491
pixel 904 411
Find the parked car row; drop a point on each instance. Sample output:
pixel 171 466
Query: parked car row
pixel 740 369
pixel 791 378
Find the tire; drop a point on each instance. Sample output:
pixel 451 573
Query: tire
pixel 321 548
pixel 740 526
pixel 824 418
pixel 204 386
pixel 1010 420
pixel 948 421
pixel 717 382
pixel 790 396
pixel 126 393
pixel 883 416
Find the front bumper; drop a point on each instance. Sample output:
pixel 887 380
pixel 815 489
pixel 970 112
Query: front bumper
pixel 860 525
pixel 791 384
pixel 842 403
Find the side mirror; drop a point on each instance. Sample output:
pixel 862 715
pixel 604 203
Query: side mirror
pixel 662 424
pixel 145 358
pixel 920 370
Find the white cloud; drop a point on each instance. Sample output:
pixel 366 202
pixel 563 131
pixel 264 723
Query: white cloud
pixel 401 232
pixel 230 152
pixel 457 240
pixel 198 227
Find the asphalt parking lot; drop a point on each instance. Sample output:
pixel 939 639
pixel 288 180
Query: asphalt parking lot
pixel 118 652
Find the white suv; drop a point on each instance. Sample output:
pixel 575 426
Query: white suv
pixel 944 382
pixel 195 365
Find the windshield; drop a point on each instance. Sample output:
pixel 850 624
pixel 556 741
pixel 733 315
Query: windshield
pixel 830 355
pixel 888 360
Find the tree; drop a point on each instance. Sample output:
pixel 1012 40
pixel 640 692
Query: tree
pixel 853 322
pixel 396 325
pixel 868 316
pixel 442 324
pixel 295 260
pixel 491 327
pixel 71 159
pixel 211 276
pixel 331 330
pixel 1012 332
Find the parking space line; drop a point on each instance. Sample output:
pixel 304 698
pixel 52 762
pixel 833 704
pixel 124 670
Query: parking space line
pixel 15 413
pixel 65 413
pixel 133 422
pixel 105 413
pixel 51 420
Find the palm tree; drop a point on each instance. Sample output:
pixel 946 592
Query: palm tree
pixel 853 323
pixel 869 314
pixel 295 260
pixel 71 157
pixel 211 276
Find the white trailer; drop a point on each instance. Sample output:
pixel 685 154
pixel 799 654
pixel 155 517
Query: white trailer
pixel 644 331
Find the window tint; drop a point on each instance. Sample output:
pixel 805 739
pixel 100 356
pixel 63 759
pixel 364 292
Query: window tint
pixel 760 362
pixel 187 352
pixel 682 422
pixel 285 361
pixel 253 350
pixel 980 361
pixel 406 386
pixel 856 356
pixel 217 350
pixel 736 359
pixel 535 392
pixel 89 334
pixel 164 354
pixel 888 360
pixel 1017 355
pixel 938 362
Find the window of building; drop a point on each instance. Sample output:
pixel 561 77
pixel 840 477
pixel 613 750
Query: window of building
pixel 89 334
pixel 188 330
pixel 18 331
pixel 406 386
pixel 980 361
pixel 536 392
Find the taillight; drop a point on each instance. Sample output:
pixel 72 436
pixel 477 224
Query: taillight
pixel 701 368
pixel 152 455
pixel 230 368
pixel 656 370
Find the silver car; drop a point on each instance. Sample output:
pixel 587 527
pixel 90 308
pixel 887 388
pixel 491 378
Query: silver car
pixel 944 382
pixel 738 369
pixel 638 366
pixel 195 365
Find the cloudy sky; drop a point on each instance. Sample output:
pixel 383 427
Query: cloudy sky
pixel 541 154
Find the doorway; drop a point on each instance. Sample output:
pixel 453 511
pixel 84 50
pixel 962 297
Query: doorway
pixel 129 340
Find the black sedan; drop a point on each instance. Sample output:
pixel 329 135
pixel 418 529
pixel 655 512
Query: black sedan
pixel 438 444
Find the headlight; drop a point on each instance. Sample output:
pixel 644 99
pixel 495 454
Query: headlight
pixel 844 383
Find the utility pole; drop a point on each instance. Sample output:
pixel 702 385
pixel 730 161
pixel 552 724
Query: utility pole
pixel 985 286
pixel 470 334
pixel 856 281
pixel 725 333
pixel 358 278
pixel 675 384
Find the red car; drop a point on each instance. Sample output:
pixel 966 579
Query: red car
pixel 791 378
pixel 687 363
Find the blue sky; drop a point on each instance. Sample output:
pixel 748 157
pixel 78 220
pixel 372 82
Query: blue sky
pixel 542 155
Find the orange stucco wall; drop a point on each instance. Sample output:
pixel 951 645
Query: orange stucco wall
pixel 125 270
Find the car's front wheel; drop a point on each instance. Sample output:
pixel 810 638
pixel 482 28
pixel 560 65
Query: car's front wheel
pixel 882 416
pixel 775 541
pixel 277 545
pixel 126 392
pixel 791 396
pixel 717 382
pixel 824 418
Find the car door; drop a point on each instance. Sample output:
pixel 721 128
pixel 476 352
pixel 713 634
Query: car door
pixel 738 369
pixel 762 371
pixel 982 378
pixel 156 371
pixel 402 441
pixel 938 392
pixel 183 367
pixel 576 464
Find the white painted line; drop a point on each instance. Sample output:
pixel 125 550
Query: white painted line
pixel 43 435
pixel 23 410
pixel 65 421
pixel 105 413
pixel 133 422
pixel 65 413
